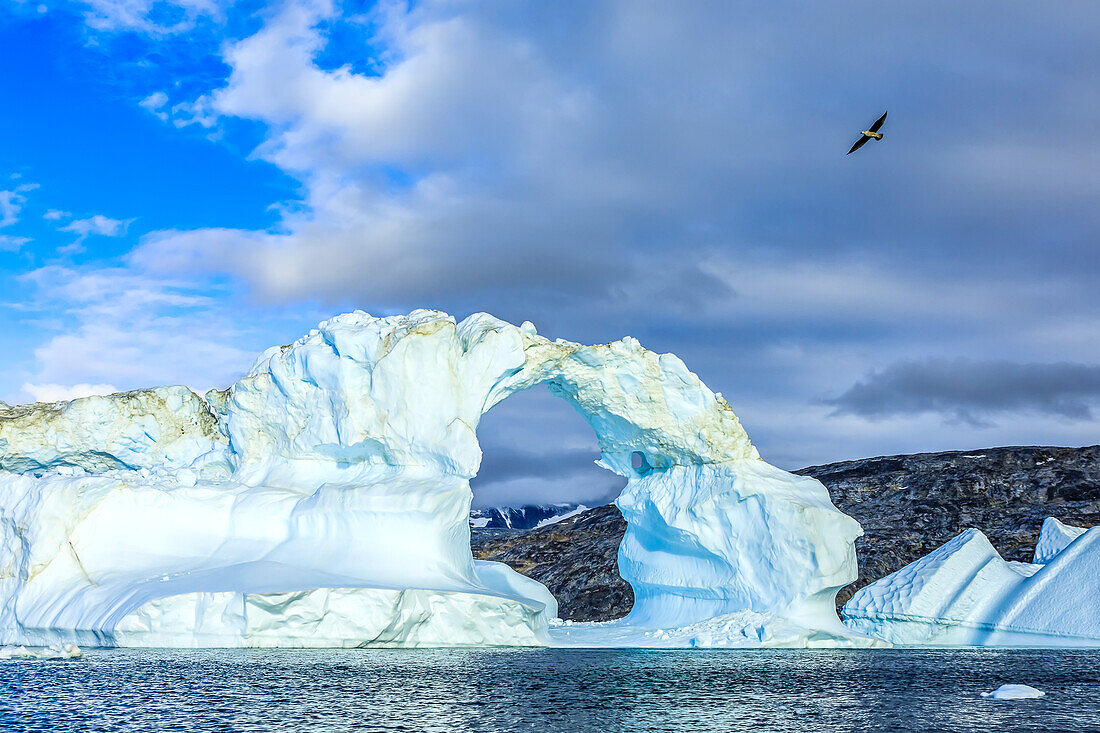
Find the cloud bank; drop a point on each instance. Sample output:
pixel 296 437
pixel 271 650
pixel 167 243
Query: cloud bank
pixel 968 390
pixel 674 172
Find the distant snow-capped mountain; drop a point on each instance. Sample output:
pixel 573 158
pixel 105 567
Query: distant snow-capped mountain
pixel 523 517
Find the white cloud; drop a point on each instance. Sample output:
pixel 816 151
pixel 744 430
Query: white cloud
pixel 56 215
pixel 65 393
pixel 98 224
pixel 113 326
pixel 452 229
pixel 11 203
pixel 200 112
pixel 151 17
pixel 154 104
pixel 481 150
pixel 9 243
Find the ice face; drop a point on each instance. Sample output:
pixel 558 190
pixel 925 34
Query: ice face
pixel 1053 538
pixel 709 540
pixel 166 427
pixel 964 593
pixel 324 500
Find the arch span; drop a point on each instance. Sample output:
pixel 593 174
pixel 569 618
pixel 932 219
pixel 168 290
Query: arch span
pixel 339 479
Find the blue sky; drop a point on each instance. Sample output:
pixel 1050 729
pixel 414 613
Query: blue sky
pixel 186 182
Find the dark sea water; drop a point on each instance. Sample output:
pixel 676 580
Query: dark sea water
pixel 550 690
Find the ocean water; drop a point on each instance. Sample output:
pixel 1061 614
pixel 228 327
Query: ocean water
pixel 550 690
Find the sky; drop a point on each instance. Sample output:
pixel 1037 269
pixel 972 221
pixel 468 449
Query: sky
pixel 184 183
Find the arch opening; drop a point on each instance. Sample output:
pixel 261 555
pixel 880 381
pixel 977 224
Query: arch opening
pixel 543 506
pixel 537 450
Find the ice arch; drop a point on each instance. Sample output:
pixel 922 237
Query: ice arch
pixel 327 503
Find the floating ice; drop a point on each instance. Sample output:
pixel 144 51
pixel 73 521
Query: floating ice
pixel 964 593
pixel 740 630
pixel 57 651
pixel 1014 692
pixel 324 499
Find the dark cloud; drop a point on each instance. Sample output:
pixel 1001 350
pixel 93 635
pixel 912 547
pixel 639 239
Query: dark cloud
pixel 677 173
pixel 537 449
pixel 567 153
pixel 504 464
pixel 968 390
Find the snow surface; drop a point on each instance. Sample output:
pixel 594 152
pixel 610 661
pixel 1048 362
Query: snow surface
pixel 324 500
pixel 1053 538
pixel 580 509
pixel 342 617
pixel 528 516
pixel 964 593
pixel 1014 692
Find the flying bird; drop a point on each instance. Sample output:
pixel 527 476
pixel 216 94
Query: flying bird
pixel 868 134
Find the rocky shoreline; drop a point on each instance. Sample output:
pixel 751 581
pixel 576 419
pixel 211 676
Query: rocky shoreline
pixel 908 506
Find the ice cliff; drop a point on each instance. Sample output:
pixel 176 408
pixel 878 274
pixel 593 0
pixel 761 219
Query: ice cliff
pixel 323 500
pixel 963 593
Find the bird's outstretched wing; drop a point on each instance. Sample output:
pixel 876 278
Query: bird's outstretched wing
pixel 878 123
pixel 859 144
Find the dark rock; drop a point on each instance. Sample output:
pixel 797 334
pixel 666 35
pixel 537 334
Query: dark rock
pixel 577 559
pixel 908 506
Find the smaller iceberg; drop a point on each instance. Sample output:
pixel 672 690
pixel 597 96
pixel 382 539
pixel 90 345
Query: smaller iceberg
pixel 965 594
pixel 57 651
pixel 1014 692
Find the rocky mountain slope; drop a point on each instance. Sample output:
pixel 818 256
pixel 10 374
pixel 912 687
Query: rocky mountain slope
pixel 908 506
pixel 577 559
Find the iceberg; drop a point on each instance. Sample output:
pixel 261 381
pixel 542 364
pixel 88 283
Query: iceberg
pixel 324 500
pixel 1053 538
pixel 1014 692
pixel 58 651
pixel 965 594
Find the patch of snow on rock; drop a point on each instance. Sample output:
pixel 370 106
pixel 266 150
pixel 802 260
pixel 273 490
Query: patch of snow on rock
pixel 581 508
